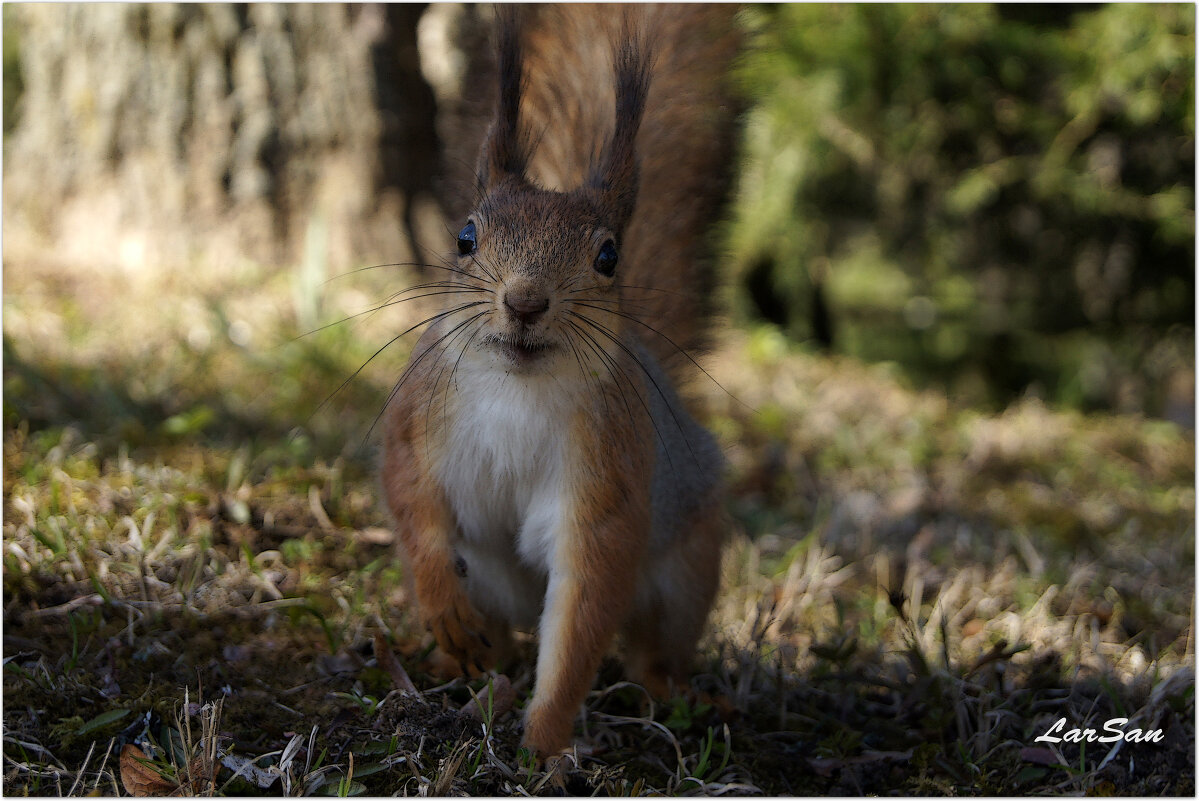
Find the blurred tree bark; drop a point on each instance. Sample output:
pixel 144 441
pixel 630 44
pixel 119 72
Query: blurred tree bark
pixel 152 134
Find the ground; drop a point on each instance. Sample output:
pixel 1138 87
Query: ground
pixel 196 564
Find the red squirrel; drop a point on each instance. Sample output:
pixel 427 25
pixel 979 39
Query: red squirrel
pixel 541 468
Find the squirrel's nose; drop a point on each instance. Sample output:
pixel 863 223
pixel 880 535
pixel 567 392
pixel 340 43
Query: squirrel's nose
pixel 526 307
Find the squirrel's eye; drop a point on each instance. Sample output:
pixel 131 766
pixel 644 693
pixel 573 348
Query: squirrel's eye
pixel 605 262
pixel 466 239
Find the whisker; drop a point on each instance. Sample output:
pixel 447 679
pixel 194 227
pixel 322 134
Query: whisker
pixel 438 253
pixel 626 304
pixel 640 288
pixel 568 282
pixel 669 407
pixel 348 273
pixel 447 283
pixel 451 269
pixel 392 301
pixel 445 264
pixel 612 301
pixel 610 362
pixel 483 269
pixel 412 365
pixel 454 370
pixel 441 371
pixel 452 285
pixel 671 342
pixel 584 373
pixel 389 343
pixel 462 353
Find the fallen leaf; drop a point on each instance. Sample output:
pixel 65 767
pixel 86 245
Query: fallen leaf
pixel 1039 756
pixel 501 695
pixel 200 776
pixel 139 777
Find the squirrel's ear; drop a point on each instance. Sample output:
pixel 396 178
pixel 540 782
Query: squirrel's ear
pixel 616 176
pixel 505 150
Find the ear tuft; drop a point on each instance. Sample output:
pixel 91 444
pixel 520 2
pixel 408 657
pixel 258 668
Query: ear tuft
pixel 505 150
pixel 616 178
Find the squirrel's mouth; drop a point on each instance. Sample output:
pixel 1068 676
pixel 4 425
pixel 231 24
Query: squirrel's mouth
pixel 516 349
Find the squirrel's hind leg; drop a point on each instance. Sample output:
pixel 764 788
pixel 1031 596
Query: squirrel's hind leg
pixel 668 619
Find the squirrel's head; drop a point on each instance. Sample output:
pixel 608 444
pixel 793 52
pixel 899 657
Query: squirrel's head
pixel 552 259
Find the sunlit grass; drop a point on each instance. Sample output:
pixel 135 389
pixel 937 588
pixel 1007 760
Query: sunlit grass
pixel 913 590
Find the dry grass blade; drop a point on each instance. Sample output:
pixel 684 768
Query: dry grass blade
pixel 448 771
pixel 79 775
pixel 647 723
pixel 388 662
pixel 318 509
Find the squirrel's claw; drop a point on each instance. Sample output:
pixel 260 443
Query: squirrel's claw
pixel 457 627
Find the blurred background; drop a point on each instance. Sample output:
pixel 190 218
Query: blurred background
pixel 999 200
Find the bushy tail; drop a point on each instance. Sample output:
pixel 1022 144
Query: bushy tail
pixel 686 147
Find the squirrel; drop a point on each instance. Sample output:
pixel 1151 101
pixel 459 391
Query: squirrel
pixel 541 467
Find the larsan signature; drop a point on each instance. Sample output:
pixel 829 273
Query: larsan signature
pixel 1114 729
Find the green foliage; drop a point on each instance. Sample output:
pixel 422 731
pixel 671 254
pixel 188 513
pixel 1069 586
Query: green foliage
pixel 990 195
pixel 684 714
pixel 13 81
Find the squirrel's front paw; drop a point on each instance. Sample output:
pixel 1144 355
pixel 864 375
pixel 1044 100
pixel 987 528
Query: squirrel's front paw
pixel 458 629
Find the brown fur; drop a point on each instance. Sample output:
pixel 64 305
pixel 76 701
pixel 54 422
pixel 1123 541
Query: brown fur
pixel 685 143
pixel 607 536
pixel 534 436
pixel 423 522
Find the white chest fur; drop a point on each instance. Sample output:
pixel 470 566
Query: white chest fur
pixel 504 471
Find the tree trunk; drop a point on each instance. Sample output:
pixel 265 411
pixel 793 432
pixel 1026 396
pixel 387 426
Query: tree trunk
pixel 156 134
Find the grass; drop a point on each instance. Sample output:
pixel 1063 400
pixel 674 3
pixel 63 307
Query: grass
pixel 196 565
